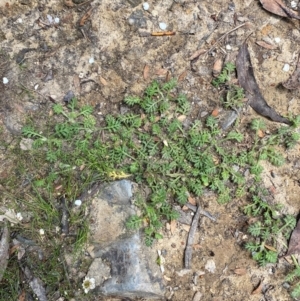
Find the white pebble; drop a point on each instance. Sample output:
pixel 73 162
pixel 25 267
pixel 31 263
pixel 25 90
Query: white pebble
pixel 50 19
pixel 162 26
pixel 286 67
pixel 131 21
pixel 5 80
pixel 293 4
pixel 277 40
pixel 91 60
pixel 20 20
pixel 78 203
pixel 145 5
pixel 228 47
pixel 56 20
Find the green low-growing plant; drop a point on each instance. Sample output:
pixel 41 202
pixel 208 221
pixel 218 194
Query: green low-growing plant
pixel 292 276
pixel 154 146
pixel 266 230
pixel 234 94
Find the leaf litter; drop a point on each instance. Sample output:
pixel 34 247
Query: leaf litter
pixel 277 7
pixel 248 83
pixel 294 244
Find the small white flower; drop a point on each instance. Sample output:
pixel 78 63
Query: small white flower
pixel 5 80
pixel 42 232
pixel 19 216
pixel 88 284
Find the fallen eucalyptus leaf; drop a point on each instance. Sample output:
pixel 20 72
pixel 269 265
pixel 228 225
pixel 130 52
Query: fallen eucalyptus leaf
pixel 277 7
pixel 294 243
pixel 248 83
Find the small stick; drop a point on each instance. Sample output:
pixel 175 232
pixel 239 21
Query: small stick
pixel 163 33
pixel 223 36
pixel 202 212
pixel 188 250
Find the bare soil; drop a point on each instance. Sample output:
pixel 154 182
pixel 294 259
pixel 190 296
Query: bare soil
pixel 102 59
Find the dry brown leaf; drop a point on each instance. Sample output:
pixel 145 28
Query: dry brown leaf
pixel 192 201
pixel 260 134
pixel 215 112
pixel 161 71
pixel 146 72
pixel 173 226
pixel 277 7
pixel 196 54
pixel 182 76
pixel 294 244
pixel 266 45
pixel 294 81
pixel 168 77
pixel 85 17
pixel 103 81
pixel 217 68
pixel 271 248
pixel 22 296
pixel 258 289
pixel 240 271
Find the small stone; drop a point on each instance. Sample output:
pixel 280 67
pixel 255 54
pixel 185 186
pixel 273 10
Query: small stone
pixel 50 19
pixel 91 60
pixel 293 4
pixel 286 67
pixel 131 21
pixel 26 144
pixel 162 26
pixel 56 20
pixel 145 5
pixel 5 80
pixel 210 266
pixel 228 47
pixel 277 40
pixel 78 203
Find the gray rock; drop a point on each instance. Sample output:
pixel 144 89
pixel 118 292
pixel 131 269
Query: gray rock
pixel 123 266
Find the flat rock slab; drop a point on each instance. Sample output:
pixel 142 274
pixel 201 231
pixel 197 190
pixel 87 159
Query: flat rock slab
pixel 123 266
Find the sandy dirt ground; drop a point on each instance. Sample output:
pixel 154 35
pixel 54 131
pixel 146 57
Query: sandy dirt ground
pixel 99 50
